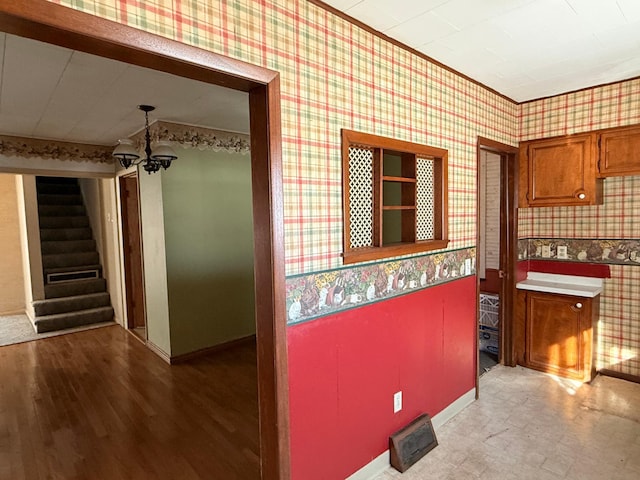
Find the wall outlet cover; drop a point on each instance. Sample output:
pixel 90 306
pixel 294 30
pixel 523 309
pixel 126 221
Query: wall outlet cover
pixel 562 251
pixel 546 251
pixel 397 402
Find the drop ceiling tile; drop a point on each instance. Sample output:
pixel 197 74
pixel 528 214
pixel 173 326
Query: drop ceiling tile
pixel 421 30
pixel 462 13
pixel 31 72
pixel 630 9
pixel 598 14
pixel 540 21
pixel 343 4
pixel 384 15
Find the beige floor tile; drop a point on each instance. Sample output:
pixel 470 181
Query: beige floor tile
pixel 528 425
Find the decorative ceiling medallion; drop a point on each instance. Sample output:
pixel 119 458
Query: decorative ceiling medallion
pixel 52 149
pixel 201 138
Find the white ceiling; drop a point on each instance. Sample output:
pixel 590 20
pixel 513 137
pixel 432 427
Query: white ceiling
pixel 52 92
pixel 524 49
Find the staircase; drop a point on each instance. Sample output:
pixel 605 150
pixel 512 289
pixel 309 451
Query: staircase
pixel 75 291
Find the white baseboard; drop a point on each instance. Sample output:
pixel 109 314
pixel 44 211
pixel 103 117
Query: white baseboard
pixel 381 462
pixel 452 410
pixel 373 468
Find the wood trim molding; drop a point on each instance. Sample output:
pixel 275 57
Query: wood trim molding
pixel 47 22
pixel 578 90
pixel 623 376
pixel 185 357
pixel 409 49
pixel 508 239
pixel 158 351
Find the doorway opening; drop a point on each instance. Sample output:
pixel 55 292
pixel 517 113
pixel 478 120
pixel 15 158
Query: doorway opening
pixel 63 26
pixel 496 252
pixel 488 263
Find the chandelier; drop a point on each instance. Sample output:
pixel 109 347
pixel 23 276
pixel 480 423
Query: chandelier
pixel 161 156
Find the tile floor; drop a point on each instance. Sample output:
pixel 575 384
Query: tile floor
pixel 528 425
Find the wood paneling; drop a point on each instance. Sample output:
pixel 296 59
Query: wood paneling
pixel 99 405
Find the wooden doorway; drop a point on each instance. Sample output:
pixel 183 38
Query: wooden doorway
pixel 48 22
pixel 132 253
pixel 504 280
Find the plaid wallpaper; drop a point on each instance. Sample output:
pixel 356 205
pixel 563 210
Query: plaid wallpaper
pixel 618 218
pixel 334 75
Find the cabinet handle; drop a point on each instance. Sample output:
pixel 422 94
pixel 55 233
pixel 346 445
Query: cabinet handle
pixel 582 196
pixel 578 305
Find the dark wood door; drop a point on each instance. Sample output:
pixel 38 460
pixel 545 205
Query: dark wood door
pixel 132 250
pixel 619 152
pixel 559 171
pixel 559 335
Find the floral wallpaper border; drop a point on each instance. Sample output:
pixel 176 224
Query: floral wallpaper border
pixel 190 136
pixel 52 149
pixel 318 294
pixel 588 250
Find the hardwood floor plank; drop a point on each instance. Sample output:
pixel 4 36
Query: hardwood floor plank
pixel 98 405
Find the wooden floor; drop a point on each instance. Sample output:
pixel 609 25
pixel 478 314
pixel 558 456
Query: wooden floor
pixel 99 405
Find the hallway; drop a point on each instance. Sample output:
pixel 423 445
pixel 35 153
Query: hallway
pixel 98 405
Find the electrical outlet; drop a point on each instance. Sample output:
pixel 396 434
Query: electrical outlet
pixel 562 251
pixel 397 402
pixel 546 251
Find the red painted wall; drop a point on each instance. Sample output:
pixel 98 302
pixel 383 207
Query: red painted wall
pixel 345 368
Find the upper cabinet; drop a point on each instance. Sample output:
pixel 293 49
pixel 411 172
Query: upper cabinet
pixel 619 150
pixel 559 171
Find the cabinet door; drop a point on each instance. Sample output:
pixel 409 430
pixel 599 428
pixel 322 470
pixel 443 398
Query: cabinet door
pixel 561 171
pixel 619 152
pixel 558 335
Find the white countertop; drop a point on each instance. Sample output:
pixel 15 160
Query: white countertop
pixel 563 284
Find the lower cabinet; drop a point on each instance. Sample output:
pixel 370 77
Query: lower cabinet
pixel 558 333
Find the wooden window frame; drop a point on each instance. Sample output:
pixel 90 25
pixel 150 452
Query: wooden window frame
pixel 407 246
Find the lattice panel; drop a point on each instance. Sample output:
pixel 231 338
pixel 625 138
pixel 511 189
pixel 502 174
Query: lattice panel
pixel 425 199
pixel 361 196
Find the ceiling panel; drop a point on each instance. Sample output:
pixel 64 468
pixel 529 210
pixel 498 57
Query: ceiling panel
pixel 525 49
pixel 51 92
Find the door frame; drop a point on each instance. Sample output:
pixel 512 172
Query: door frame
pixel 124 215
pixel 47 22
pixel 508 244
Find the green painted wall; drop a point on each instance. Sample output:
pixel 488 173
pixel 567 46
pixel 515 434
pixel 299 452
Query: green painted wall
pixel 209 248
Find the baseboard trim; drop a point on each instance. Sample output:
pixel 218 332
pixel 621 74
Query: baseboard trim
pixel 622 376
pixel 373 468
pixel 184 357
pixel 381 462
pixel 11 313
pixel 455 408
pixel 158 351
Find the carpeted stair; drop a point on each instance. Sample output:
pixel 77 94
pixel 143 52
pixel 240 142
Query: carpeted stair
pixel 75 292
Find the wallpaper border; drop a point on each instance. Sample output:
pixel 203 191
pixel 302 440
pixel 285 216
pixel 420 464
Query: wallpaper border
pixel 612 251
pixel 314 295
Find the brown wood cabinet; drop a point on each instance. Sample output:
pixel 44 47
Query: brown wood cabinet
pixel 619 152
pixel 559 171
pixel 558 334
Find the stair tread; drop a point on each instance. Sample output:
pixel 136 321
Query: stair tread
pixel 78 268
pixel 67 254
pixel 76 287
pixel 70 298
pixel 76 313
